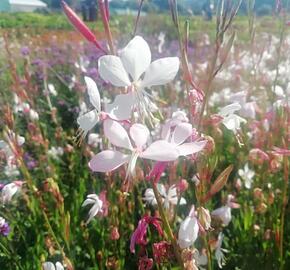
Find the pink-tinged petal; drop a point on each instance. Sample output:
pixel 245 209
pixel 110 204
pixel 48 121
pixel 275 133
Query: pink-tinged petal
pixel 139 134
pixel 112 70
pixel 93 93
pixel 281 151
pixel 165 131
pixel 161 72
pixel 136 57
pixel 122 107
pixel 230 109
pixel 161 151
pixel 59 266
pixel 190 148
pixel 88 120
pixel 181 132
pixel 107 161
pixel 48 266
pixel 116 134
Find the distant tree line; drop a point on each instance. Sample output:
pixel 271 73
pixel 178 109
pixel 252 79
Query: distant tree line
pixel 262 7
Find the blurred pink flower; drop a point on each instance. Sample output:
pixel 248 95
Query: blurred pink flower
pixel 139 235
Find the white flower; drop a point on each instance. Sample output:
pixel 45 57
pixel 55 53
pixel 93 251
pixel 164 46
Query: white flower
pixel 120 109
pixel 2 221
pixel 50 266
pixel 82 64
pixel 231 120
pixel 55 152
pixel 178 137
pixel 96 208
pixel 188 230
pixel 126 71
pixel 168 198
pixel 200 259
pixel 33 115
pixel 161 39
pixel 8 192
pixel 247 175
pixel 51 89
pixel 110 160
pixel 94 139
pixel 224 212
pixel 220 257
pixel 11 170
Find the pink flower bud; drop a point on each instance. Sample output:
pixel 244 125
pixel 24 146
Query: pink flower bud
pixel 258 156
pixel 115 233
pixel 182 185
pixel 80 26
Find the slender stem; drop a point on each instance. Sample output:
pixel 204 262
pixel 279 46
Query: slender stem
pixel 285 202
pixel 209 82
pixel 279 49
pixel 138 17
pixel 167 227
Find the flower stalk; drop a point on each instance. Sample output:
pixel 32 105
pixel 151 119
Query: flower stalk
pixel 167 227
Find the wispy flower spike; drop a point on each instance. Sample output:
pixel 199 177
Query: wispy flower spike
pixel 80 26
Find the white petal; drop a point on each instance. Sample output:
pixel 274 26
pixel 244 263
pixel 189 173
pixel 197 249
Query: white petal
pixel 182 201
pixel 48 266
pixel 233 122
pixel 149 196
pixel 116 134
pixel 136 57
pixel 172 192
pixel 160 151
pixel 224 213
pixel 107 161
pixel 139 134
pixel 161 189
pixel 93 93
pixel 112 70
pixel 230 109
pixel 88 201
pixel 88 120
pixel 59 266
pixel 161 72
pixel 188 232
pixel 122 106
pixel 190 148
pixel 181 132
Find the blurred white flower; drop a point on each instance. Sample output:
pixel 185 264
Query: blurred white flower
pixel 94 139
pixel 247 175
pixel 11 170
pixel 51 89
pixel 231 120
pixel 169 197
pixel 55 152
pixel 220 257
pixel 96 208
pixel 33 115
pixel 161 39
pixel 8 191
pixel 200 259
pixel 188 230
pixel 83 64
pixel 51 266
pixel 224 212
